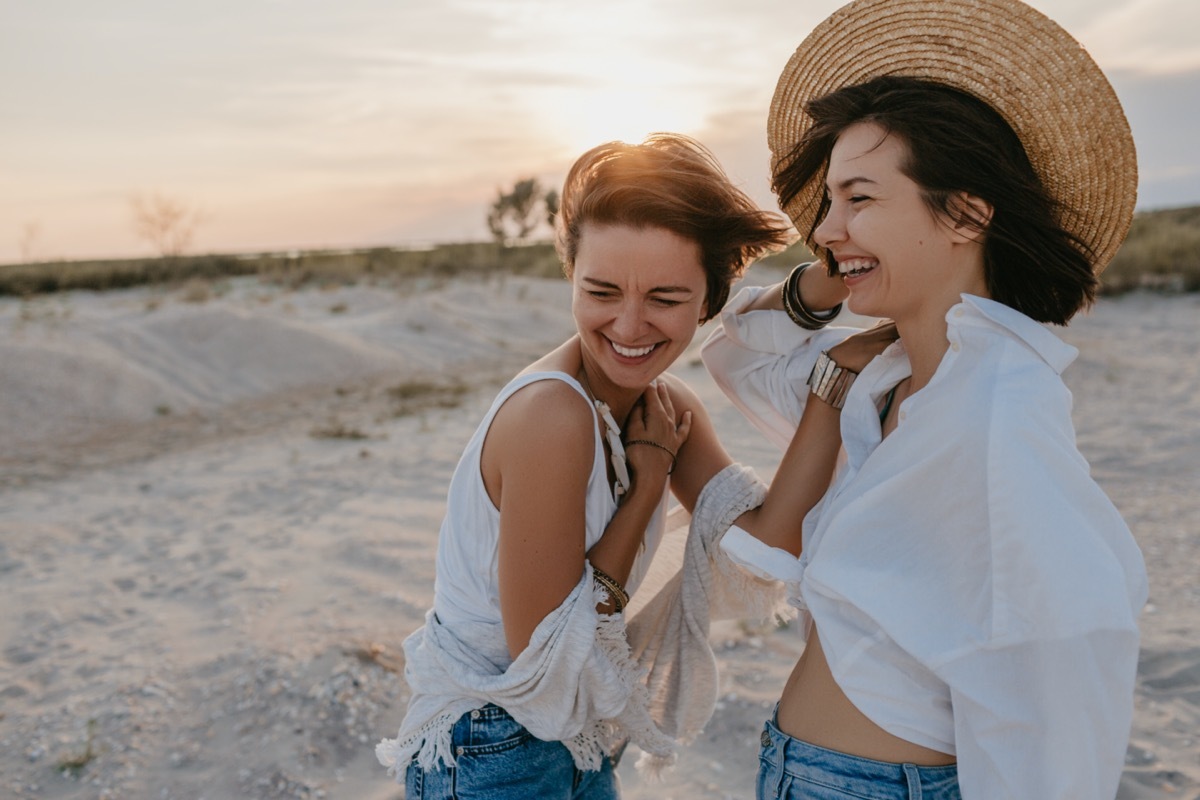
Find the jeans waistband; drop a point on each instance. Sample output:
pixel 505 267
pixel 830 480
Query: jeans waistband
pixel 855 774
pixel 489 713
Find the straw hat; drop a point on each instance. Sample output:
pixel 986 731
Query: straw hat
pixel 1009 55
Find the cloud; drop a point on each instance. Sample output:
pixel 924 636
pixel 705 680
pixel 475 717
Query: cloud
pixel 1166 126
pixel 1154 37
pixel 404 117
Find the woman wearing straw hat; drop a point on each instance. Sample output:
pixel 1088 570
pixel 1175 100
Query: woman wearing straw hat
pixel 523 678
pixel 969 594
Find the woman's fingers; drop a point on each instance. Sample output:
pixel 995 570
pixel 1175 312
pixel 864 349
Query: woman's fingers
pixel 683 428
pixel 656 419
pixel 858 349
pixel 664 397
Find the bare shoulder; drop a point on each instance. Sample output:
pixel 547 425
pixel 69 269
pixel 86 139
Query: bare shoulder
pixel 683 396
pixel 545 412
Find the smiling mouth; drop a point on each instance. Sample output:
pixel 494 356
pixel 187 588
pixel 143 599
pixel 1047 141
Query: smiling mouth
pixel 854 267
pixel 632 352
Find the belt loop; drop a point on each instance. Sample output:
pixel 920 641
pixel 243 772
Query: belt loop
pixel 778 760
pixel 913 778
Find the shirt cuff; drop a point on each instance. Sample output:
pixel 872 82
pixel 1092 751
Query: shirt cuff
pixel 762 331
pixel 760 559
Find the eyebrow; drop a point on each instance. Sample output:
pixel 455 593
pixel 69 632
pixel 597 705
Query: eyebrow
pixel 846 184
pixel 655 290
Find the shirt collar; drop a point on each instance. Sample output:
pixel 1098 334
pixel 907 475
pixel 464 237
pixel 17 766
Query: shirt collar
pixel 1054 351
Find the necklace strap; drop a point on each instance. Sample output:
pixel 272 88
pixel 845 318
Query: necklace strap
pixel 612 434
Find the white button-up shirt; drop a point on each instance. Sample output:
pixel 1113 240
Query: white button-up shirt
pixel 975 590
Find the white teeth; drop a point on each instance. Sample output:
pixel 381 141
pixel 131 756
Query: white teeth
pixel 632 352
pixel 856 265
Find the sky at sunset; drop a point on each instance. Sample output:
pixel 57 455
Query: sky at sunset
pixel 294 124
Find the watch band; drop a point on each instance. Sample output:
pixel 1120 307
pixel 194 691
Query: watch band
pixel 829 382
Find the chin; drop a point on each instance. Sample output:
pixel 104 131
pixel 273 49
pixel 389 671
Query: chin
pixel 637 379
pixel 860 306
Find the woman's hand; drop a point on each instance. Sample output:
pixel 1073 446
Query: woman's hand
pixel 653 437
pixel 856 351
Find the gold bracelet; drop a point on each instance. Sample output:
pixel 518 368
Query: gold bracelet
pixel 616 593
pixel 653 443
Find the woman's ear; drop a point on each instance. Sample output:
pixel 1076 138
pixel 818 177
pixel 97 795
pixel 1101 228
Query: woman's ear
pixel 969 217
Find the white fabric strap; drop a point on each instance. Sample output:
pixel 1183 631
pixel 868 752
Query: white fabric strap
pixel 612 432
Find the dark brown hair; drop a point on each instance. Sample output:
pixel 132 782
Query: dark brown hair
pixel 957 144
pixel 673 182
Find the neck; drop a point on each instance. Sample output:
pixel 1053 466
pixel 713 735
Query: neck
pixel 924 331
pixel 619 400
pixel 925 346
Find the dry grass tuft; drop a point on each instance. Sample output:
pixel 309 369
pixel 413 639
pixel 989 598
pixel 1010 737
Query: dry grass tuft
pixel 336 429
pixel 376 653
pixel 196 290
pixel 417 395
pixel 75 765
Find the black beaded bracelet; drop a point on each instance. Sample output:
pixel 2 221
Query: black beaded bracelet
pixel 652 443
pixel 793 303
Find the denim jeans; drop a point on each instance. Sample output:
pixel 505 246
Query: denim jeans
pixel 789 769
pixel 497 759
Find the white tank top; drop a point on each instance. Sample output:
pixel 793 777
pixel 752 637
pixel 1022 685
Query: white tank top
pixel 466 595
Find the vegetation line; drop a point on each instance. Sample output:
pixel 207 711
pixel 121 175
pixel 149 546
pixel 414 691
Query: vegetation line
pixel 1162 252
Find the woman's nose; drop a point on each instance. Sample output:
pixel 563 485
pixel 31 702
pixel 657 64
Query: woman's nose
pixel 832 229
pixel 629 321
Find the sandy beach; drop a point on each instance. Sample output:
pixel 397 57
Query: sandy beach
pixel 219 509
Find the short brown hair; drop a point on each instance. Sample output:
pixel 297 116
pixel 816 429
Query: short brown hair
pixel 669 181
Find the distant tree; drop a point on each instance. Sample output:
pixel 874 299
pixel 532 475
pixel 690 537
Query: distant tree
pixel 551 201
pixel 514 215
pixel 166 223
pixel 28 243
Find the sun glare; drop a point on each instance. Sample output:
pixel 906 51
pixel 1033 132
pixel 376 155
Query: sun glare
pixel 584 118
pixel 616 73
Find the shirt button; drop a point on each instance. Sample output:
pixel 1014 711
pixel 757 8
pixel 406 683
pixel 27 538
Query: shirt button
pixel 958 312
pixel 903 415
pixel 475 714
pixel 765 738
pixel 956 347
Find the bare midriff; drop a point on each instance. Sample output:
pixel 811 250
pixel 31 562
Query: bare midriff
pixel 814 709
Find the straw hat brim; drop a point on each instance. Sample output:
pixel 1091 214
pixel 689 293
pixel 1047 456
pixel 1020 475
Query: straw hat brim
pixel 1023 64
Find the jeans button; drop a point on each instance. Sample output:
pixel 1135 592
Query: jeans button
pixel 765 738
pixel 458 751
pixel 475 714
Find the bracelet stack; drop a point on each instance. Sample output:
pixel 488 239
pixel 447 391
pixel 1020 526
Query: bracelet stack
pixel 793 303
pixel 829 382
pixel 652 443
pixel 616 592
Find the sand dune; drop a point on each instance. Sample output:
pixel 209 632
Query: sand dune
pixel 217 523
